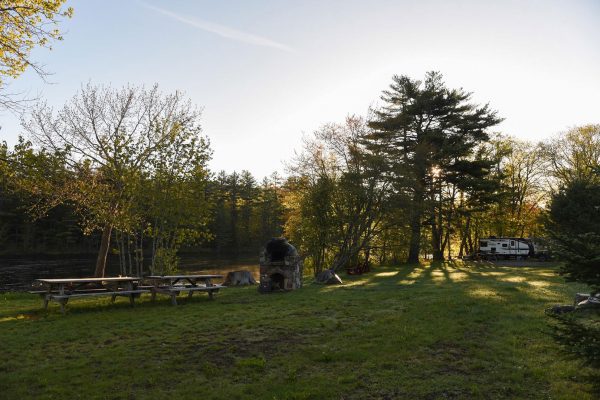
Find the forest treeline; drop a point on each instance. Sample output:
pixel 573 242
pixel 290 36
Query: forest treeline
pixel 242 213
pixel 425 175
pixel 229 215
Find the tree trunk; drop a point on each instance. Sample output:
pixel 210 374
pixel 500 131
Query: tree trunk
pixel 129 254
pixel 103 252
pixel 465 234
pixel 436 232
pixel 449 244
pixel 415 238
pixel 436 245
pixel 382 255
pixel 417 208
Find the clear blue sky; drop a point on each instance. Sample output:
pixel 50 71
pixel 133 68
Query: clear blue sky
pixel 267 72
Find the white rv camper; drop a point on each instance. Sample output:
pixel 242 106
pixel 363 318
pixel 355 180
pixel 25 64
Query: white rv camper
pixel 494 248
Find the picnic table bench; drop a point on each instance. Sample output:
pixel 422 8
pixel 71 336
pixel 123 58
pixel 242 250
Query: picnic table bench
pixel 172 285
pixel 61 290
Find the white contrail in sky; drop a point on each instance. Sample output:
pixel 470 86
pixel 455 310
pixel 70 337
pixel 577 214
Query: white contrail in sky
pixel 221 30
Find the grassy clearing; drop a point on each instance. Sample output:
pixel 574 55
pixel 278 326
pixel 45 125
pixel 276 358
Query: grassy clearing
pixel 444 331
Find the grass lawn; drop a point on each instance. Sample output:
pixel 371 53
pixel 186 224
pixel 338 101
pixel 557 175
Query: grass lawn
pixel 463 331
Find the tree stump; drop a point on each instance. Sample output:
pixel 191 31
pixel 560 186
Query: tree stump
pixel 579 297
pixel 239 278
pixel 328 277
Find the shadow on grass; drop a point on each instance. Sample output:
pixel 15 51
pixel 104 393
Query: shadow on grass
pixel 505 305
pixel 34 309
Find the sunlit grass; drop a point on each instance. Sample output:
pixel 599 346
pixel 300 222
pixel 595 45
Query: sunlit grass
pixel 515 279
pixel 386 274
pixel 452 330
pixel 486 293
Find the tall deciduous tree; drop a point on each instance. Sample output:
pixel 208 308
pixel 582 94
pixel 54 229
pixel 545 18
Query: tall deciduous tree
pixel 108 138
pixel 427 134
pixel 522 170
pixel 178 207
pixel 574 155
pixel 340 207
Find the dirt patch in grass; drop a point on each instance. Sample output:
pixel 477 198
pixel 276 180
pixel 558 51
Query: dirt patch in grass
pixel 225 351
pixel 448 352
pixel 380 394
pixel 447 394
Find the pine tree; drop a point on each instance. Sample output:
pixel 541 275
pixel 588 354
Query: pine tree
pixel 575 226
pixel 427 135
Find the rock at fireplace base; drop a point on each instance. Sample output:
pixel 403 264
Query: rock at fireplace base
pixel 328 277
pixel 561 309
pixel 579 297
pixel 239 278
pixel 590 302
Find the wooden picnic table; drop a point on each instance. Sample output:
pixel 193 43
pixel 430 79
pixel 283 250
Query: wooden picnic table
pixel 172 285
pixel 61 290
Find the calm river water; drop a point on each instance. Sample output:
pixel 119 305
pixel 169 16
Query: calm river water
pixel 18 273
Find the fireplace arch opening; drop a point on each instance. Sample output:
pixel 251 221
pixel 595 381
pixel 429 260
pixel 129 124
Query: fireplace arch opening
pixel 277 281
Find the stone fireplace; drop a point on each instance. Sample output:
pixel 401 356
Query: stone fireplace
pixel 280 267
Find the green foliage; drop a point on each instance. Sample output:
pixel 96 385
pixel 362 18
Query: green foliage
pixel 574 221
pixel 515 209
pixel 245 214
pixel 24 25
pixel 338 203
pixel 173 204
pixel 310 222
pixel 165 261
pixel 148 168
pixel 22 196
pixel 575 209
pixel 581 256
pixel 574 155
pixel 579 334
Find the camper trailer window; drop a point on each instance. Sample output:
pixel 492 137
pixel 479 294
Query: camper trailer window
pixel 504 245
pixel 512 242
pixel 482 244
